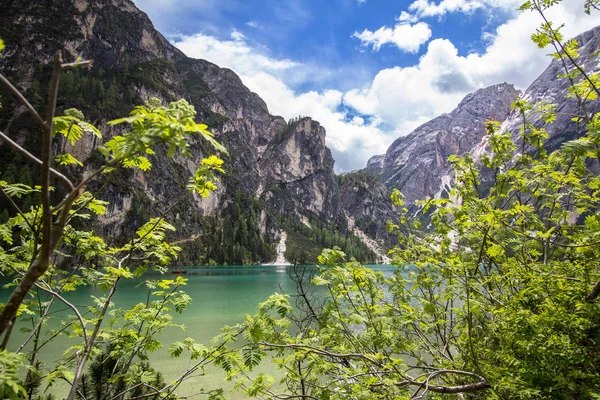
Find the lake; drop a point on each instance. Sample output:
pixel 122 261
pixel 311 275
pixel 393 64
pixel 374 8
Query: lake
pixel 221 296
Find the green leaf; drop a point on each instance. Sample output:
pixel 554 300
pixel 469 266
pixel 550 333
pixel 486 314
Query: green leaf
pixel 252 356
pixel 67 159
pixel 176 349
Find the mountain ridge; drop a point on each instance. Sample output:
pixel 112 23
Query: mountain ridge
pixel 132 62
pixel 280 175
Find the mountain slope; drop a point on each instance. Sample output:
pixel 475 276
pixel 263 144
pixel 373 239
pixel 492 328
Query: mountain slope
pixel 275 168
pixel 417 164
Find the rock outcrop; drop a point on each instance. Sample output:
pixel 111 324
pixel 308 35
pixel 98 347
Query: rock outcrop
pixel 274 168
pixel 417 164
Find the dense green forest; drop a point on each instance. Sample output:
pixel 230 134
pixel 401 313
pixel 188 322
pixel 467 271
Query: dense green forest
pixel 234 238
pixel 305 239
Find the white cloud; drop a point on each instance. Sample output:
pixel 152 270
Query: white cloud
pixel 237 36
pixel 352 142
pixel 426 8
pixel 407 17
pixel 398 99
pixel 235 54
pixel 403 35
pixel 406 97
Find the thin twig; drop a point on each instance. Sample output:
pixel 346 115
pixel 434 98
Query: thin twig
pixel 24 101
pixel 33 158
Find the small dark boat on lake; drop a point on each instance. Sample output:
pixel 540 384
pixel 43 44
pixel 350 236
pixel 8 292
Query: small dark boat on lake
pixel 178 271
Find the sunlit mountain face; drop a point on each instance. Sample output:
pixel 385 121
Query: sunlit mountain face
pixel 368 70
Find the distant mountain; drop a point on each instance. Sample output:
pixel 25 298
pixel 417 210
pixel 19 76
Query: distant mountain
pixel 417 164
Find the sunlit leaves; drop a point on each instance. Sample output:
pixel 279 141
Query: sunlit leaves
pixel 67 159
pixel 17 189
pixel 204 179
pixel 140 162
pixel 152 124
pixel 72 126
pixel 82 258
pixel 252 355
pixel 176 349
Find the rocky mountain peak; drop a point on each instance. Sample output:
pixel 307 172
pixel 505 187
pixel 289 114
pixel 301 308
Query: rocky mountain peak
pixel 298 160
pixel 375 163
pixel 550 88
pixel 111 32
pixel 417 163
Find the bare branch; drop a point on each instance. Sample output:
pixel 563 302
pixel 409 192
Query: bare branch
pixel 77 64
pixel 33 158
pixel 24 101
pixel 65 302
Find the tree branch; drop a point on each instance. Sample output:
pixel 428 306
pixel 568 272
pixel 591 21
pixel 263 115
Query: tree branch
pixel 36 160
pixel 24 101
pixel 593 294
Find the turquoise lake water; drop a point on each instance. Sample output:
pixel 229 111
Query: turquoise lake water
pixel 221 296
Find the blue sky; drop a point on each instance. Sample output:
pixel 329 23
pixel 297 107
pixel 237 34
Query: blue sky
pixel 368 70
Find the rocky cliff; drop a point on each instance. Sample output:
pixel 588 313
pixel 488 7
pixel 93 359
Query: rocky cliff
pixel 417 164
pixel 276 168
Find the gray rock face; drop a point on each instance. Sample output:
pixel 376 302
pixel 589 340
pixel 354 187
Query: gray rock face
pixel 83 28
pixel 367 200
pixel 548 87
pixel 287 167
pixel 296 172
pixel 375 163
pixel 417 163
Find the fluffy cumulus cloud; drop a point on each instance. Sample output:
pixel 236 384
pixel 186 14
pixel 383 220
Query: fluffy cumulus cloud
pixel 235 53
pixel 404 35
pixel 406 97
pixel 351 139
pixel 362 122
pixel 427 8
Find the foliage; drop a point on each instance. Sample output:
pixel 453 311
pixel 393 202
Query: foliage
pixel 49 248
pixel 499 300
pixel 234 237
pixel 363 178
pixel 306 239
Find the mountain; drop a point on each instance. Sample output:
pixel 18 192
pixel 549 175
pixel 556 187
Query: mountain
pixel 279 180
pixel 417 163
pixel 280 173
